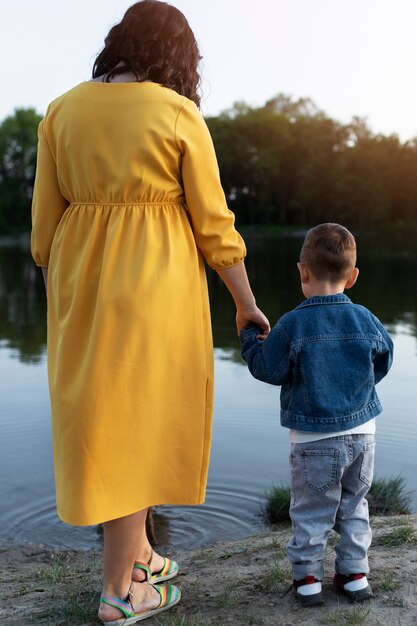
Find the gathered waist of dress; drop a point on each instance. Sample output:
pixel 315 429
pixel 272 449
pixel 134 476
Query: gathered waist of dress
pixel 176 203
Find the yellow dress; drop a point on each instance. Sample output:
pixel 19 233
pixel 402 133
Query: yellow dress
pixel 127 201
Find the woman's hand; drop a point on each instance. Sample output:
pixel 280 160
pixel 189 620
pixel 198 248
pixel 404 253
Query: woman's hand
pixel 244 317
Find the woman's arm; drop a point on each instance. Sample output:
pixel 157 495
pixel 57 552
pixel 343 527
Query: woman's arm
pixel 236 280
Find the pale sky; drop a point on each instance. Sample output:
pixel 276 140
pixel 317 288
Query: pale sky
pixel 352 57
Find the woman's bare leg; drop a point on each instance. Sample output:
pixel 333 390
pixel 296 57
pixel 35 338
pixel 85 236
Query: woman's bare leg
pixel 122 541
pixel 143 555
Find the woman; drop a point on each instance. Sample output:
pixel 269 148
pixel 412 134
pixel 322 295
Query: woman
pixel 127 202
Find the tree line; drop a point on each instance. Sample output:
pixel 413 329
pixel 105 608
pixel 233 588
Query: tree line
pixel 282 164
pixel 287 163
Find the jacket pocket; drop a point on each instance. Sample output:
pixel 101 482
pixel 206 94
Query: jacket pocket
pixel 320 468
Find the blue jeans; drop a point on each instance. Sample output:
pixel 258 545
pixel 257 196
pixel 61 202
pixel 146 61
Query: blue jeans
pixel 329 481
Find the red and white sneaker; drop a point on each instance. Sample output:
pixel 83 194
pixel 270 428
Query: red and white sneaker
pixel 355 586
pixel 308 591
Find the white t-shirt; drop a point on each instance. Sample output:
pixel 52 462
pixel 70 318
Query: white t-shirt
pixel 302 436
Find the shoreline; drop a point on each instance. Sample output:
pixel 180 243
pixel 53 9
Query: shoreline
pixel 239 583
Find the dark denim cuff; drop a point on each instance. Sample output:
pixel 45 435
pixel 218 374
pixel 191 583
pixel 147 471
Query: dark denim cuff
pixel 249 333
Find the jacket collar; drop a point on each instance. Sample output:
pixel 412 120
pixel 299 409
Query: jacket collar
pixel 337 298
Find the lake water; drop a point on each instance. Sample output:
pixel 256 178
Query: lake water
pixel 250 448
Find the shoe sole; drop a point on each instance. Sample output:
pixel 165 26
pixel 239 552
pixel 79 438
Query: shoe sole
pixel 315 599
pixel 127 621
pixel 357 596
pixel 161 579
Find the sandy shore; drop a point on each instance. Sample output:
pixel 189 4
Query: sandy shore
pixel 235 583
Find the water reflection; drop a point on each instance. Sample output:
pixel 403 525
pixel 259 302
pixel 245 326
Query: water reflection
pixel 22 301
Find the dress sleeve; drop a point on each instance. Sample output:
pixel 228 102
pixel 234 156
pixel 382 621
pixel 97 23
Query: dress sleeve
pixel 48 204
pixel 211 220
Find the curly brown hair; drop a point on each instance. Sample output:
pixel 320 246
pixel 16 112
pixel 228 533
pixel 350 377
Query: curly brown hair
pixel 155 42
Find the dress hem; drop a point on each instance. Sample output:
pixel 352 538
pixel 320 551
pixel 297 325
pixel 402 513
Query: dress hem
pixel 95 522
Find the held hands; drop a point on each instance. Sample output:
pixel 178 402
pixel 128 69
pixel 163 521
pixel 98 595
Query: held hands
pixel 244 317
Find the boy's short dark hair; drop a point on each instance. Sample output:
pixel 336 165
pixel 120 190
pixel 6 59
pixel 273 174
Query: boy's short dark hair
pixel 329 251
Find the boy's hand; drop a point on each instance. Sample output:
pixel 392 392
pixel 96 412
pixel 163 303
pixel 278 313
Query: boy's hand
pixel 263 336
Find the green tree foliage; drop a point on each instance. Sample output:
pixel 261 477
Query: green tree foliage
pixel 18 144
pixel 287 163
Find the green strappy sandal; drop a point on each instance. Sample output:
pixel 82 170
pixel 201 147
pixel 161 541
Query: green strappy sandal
pixel 170 596
pixel 168 571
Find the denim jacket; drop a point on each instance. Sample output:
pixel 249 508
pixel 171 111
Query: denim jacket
pixel 328 354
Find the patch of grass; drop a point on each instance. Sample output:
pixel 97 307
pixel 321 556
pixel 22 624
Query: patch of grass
pixel 62 569
pixel 71 596
pixel 279 548
pixel 277 544
pixel 386 582
pixel 402 535
pixel 58 571
pixel 353 617
pixel 30 588
pixel 71 607
pixel 388 496
pixel 277 505
pixel 227 596
pixel 276 575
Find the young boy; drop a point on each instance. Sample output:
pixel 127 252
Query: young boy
pixel 328 354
